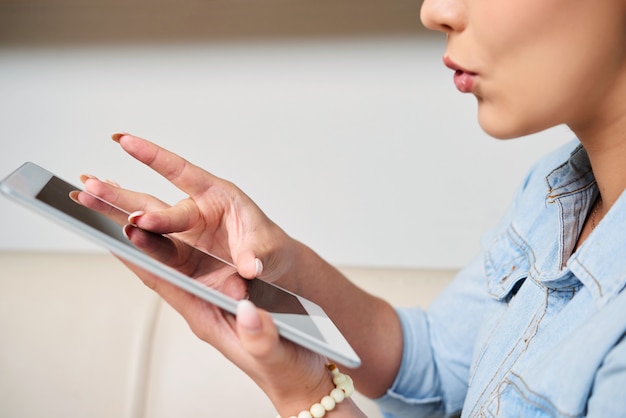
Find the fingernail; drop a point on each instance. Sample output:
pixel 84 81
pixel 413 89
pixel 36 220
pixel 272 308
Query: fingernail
pixel 74 196
pixel 259 267
pixel 116 136
pixel 85 177
pixel 125 231
pixel 247 317
pixel 132 218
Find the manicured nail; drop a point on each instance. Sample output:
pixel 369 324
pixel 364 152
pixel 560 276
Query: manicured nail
pixel 116 137
pixel 132 218
pixel 125 231
pixel 259 267
pixel 85 177
pixel 74 196
pixel 247 317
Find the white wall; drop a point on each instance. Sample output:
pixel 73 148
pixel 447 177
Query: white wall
pixel 361 148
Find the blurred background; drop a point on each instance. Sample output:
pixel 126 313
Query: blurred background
pixel 336 116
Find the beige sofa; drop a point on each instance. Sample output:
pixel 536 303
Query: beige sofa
pixel 80 336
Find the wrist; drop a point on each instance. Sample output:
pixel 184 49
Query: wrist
pixel 305 267
pixel 339 388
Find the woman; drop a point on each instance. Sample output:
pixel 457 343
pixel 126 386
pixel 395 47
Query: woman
pixel 532 328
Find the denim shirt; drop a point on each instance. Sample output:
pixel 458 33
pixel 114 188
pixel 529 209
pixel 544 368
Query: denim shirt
pixel 533 327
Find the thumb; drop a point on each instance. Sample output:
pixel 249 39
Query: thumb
pixel 257 333
pixel 248 265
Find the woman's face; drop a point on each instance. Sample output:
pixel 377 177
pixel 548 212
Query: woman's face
pixel 534 64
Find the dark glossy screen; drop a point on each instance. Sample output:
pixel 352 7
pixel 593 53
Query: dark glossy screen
pixel 192 262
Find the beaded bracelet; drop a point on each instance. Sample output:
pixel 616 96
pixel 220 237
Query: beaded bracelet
pixel 344 388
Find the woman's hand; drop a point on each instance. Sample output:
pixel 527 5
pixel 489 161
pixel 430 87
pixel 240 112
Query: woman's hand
pixel 216 216
pixel 219 218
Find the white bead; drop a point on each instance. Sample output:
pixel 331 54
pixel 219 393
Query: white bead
pixel 340 378
pixel 347 387
pixel 338 395
pixel 317 410
pixel 344 388
pixel 328 403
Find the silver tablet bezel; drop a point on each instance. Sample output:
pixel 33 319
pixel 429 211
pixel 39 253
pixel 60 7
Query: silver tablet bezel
pixel 28 180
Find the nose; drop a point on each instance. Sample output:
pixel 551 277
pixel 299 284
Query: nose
pixel 444 15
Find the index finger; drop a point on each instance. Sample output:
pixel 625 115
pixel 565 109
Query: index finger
pixel 188 177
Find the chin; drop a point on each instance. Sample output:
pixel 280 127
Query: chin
pixel 503 125
pixel 499 130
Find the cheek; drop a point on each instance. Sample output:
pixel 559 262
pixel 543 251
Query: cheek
pixel 536 91
pixel 525 90
pixel 546 63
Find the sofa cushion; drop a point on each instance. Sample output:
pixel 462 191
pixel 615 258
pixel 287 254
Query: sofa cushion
pixel 82 337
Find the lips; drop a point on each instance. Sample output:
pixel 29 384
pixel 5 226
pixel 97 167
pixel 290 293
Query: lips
pixel 463 78
pixel 464 81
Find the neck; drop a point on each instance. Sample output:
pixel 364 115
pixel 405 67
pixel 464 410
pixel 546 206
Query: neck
pixel 602 131
pixel 606 148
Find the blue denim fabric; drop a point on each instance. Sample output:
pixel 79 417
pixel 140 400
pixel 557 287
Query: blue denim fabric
pixel 530 328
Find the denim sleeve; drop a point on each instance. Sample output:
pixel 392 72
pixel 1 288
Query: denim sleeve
pixel 439 343
pixel 607 395
pixel 438 346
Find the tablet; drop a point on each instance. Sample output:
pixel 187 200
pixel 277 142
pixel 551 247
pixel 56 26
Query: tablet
pixel 297 319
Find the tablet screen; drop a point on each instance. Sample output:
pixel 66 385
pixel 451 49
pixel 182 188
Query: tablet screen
pixel 192 262
pixel 56 194
pixel 200 273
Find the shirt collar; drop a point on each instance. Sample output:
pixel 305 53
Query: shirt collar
pixel 599 263
pixel 570 177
